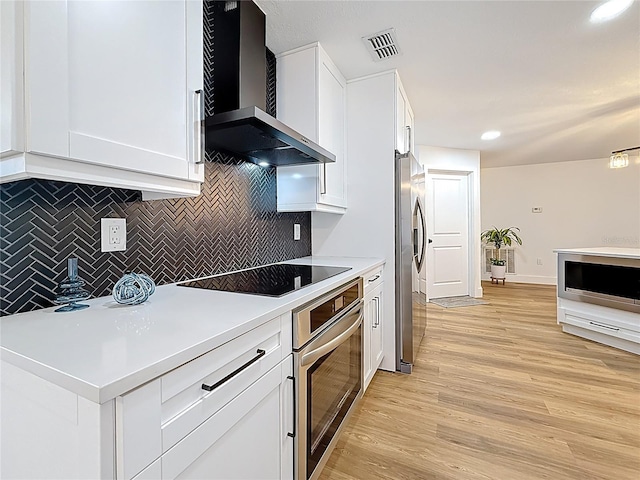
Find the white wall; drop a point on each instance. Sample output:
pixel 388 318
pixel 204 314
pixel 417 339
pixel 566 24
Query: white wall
pixel 438 160
pixel 584 204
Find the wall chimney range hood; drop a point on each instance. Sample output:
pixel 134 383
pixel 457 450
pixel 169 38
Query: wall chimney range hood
pixel 240 125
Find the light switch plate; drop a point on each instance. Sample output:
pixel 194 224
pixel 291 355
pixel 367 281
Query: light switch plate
pixel 113 234
pixel 296 231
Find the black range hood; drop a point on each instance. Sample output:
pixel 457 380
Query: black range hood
pixel 240 125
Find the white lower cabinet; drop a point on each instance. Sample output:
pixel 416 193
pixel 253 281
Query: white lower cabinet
pixel 207 417
pixel 610 326
pixel 226 414
pixel 246 439
pixel 373 324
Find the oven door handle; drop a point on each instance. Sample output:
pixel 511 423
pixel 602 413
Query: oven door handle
pixel 310 357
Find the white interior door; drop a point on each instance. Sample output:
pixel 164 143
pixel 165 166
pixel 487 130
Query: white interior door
pixel 448 228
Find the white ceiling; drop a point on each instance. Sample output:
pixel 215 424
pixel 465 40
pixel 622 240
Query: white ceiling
pixel 558 87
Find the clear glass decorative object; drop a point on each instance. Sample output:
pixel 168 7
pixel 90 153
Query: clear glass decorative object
pixel 133 289
pixel 72 291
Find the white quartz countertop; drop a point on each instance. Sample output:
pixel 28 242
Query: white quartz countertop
pixel 108 349
pixel 620 252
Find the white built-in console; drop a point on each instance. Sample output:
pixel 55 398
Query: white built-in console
pixel 599 295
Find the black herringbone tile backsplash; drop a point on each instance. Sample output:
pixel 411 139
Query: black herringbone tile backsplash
pixel 233 224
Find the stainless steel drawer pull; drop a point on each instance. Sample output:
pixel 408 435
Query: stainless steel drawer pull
pixel 374 278
pixel 209 388
pixel 199 126
pixel 604 326
pixel 323 183
pixel 295 415
pixel 376 322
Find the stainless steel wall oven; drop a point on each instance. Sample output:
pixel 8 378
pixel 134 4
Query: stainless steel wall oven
pixel 327 341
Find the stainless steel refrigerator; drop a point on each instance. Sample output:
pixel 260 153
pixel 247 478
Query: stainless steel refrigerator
pixel 410 246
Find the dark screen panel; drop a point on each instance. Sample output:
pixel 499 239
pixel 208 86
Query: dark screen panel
pixel 614 280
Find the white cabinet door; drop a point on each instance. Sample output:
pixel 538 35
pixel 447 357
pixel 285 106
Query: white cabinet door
pixel 11 83
pixel 369 319
pixel 401 126
pixel 331 123
pixel 377 330
pixel 373 311
pixel 312 100
pixel 114 83
pixel 247 439
pixel 404 121
pixel 287 419
pixel 411 131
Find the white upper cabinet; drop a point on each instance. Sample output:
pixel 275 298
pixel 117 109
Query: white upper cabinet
pixel 12 87
pixel 404 121
pixel 117 87
pixel 311 98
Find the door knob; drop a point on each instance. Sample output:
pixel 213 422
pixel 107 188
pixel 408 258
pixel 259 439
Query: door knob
pixel 430 241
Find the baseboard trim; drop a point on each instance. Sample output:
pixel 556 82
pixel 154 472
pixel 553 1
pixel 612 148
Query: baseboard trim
pixel 538 279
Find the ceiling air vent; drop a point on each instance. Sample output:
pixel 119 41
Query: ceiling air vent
pixel 382 45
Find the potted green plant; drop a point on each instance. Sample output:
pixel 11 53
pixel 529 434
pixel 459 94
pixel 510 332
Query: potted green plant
pixel 499 237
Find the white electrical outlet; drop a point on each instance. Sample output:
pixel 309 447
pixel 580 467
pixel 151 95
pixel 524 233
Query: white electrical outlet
pixel 536 210
pixel 113 234
pixel 296 231
pixel 539 261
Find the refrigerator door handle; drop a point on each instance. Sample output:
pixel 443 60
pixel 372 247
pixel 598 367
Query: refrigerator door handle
pixel 419 247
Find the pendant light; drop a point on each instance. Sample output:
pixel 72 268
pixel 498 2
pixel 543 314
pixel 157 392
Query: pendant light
pixel 620 159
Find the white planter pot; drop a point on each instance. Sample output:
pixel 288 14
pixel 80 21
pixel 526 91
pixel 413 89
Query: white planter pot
pixel 498 271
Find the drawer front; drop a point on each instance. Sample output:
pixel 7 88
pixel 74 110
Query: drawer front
pixel 153 418
pixel 602 327
pixel 217 449
pixel 372 279
pixel 238 364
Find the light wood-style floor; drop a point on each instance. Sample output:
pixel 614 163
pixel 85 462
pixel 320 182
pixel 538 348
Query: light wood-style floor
pixel 499 392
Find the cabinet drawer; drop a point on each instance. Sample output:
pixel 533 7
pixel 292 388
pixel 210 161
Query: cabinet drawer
pixel 185 402
pixel 602 327
pixel 242 440
pixel 156 416
pixel 372 278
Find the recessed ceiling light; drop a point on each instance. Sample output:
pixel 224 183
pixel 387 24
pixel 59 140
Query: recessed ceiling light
pixel 264 164
pixel 609 10
pixel 490 135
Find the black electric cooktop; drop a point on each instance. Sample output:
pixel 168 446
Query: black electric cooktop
pixel 271 280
